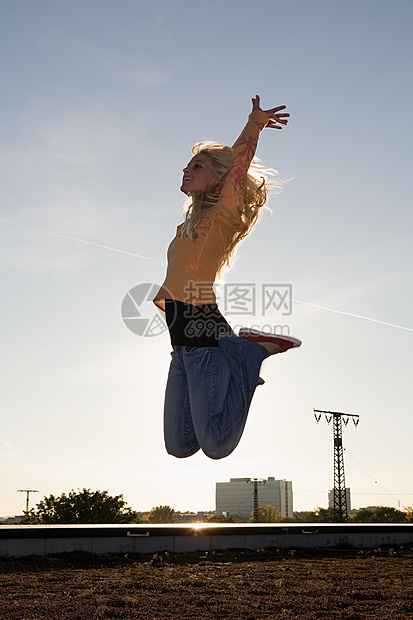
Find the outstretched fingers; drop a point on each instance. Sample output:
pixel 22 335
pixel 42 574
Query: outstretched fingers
pixel 277 118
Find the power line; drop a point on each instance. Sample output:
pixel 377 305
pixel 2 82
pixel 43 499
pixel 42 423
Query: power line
pixel 255 482
pixel 240 504
pixel 352 492
pixel 27 491
pixel 375 481
pixel 340 508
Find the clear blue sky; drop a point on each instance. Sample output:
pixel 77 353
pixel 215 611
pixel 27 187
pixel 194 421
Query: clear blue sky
pixel 101 104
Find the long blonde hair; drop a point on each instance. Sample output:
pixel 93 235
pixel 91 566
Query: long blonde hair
pixel 259 179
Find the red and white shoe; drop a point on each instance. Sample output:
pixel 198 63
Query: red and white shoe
pixel 284 342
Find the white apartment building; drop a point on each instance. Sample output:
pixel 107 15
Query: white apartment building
pixel 236 497
pixel 331 499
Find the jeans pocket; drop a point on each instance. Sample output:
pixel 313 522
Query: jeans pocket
pixel 189 350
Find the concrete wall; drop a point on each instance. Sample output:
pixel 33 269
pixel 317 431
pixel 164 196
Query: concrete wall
pixel 100 539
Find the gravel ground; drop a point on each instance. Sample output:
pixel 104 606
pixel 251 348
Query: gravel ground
pixel 242 585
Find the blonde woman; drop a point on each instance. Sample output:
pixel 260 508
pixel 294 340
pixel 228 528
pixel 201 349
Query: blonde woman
pixel 213 372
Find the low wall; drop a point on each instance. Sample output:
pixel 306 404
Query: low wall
pixel 21 540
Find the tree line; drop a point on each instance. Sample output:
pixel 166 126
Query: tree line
pixel 88 507
pixel 380 514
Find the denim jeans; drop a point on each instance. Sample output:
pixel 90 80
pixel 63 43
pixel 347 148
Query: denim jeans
pixel 208 395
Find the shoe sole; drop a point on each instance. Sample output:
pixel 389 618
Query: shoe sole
pixel 256 336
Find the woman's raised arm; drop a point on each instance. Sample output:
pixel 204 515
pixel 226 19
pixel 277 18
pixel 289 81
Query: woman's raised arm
pixel 244 150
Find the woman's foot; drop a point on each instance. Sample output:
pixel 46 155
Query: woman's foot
pixel 272 342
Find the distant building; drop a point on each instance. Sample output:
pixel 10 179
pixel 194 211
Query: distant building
pixel 192 517
pixel 11 520
pixel 236 497
pixel 331 499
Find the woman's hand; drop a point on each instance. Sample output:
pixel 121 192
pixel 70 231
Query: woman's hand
pixel 277 121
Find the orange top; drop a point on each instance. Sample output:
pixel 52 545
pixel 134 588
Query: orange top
pixel 193 265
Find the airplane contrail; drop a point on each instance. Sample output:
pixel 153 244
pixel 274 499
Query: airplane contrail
pixel 159 262
pixel 357 316
pixel 98 245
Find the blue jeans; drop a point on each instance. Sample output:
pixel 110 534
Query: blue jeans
pixel 208 395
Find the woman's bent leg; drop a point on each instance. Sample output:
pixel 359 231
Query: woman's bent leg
pixel 221 384
pixel 179 433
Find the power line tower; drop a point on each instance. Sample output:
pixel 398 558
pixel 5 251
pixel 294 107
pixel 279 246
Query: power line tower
pixel 27 491
pixel 255 482
pixel 339 490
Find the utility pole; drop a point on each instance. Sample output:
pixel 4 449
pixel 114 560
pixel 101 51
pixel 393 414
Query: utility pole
pixel 27 491
pixel 256 482
pixel 339 490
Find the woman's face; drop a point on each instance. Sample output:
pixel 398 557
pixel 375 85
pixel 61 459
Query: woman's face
pixel 198 175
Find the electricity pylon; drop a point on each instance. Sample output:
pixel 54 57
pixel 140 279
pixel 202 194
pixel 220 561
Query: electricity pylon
pixel 256 482
pixel 340 510
pixel 27 491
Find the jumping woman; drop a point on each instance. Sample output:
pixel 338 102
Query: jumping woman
pixel 213 372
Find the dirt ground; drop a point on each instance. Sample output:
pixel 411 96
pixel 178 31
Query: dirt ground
pixel 242 585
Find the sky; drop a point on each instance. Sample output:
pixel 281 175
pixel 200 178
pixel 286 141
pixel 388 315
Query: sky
pixel 102 102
